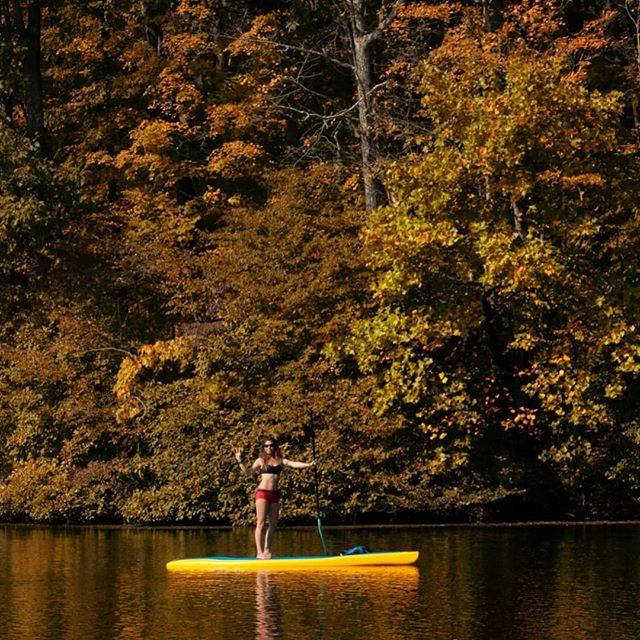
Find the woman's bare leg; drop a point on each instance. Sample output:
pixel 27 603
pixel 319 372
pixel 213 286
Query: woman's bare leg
pixel 271 531
pixel 262 508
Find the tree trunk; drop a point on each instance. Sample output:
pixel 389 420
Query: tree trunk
pixel 492 13
pixel 363 77
pixel 33 102
pixel 152 29
pixel 30 63
pixel 361 44
pixel 6 55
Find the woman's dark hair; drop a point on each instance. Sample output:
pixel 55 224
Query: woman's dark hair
pixel 275 452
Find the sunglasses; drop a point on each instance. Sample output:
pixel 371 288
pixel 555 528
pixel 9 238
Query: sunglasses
pixel 268 445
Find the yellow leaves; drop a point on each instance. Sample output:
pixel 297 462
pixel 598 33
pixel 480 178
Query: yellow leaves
pixel 127 412
pixel 129 370
pixel 168 356
pixel 236 159
pixel 614 390
pixel 137 55
pixel 154 136
pixel 551 176
pixel 583 180
pixel 98 159
pixel 525 341
pixel 226 117
pixel 617 332
pixel 490 240
pixel 39 483
pixel 152 152
pixel 244 115
pixel 540 20
pixel 88 45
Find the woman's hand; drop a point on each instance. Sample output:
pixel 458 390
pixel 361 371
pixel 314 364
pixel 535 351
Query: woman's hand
pixel 313 463
pixel 238 453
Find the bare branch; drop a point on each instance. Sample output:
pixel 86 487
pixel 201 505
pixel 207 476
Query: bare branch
pixel 332 116
pixel 128 353
pixel 290 47
pixel 384 22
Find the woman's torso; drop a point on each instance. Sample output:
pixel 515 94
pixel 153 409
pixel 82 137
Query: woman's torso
pixel 270 474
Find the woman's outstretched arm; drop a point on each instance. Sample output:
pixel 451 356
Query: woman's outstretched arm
pixel 298 465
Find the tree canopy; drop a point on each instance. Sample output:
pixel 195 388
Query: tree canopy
pixel 412 226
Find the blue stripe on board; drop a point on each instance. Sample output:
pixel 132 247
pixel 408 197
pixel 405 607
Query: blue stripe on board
pixel 371 553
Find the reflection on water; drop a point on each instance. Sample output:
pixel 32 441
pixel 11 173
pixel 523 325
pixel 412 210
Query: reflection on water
pixel 561 583
pixel 289 604
pixel 369 584
pixel 268 623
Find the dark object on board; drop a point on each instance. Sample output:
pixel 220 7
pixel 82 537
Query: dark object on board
pixel 354 551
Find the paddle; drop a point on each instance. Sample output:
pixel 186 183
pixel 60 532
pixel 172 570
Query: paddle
pixel 311 433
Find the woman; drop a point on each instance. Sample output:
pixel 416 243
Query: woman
pixel 269 465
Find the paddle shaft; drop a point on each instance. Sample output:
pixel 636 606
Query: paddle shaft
pixel 317 486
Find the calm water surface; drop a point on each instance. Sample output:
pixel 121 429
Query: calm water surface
pixel 563 583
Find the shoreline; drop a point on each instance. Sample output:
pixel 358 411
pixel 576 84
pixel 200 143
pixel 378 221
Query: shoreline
pixel 443 525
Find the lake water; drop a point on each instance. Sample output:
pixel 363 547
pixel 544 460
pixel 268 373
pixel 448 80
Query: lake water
pixel 543 582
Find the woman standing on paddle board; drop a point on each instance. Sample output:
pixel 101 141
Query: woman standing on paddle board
pixel 269 465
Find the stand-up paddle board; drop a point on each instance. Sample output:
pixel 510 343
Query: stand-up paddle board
pixel 312 563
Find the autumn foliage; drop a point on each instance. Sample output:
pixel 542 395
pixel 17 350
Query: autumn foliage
pixel 413 225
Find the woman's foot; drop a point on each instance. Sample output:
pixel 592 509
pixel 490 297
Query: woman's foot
pixel 266 555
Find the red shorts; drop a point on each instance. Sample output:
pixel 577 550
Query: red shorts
pixel 270 496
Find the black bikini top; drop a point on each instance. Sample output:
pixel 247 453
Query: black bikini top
pixel 268 468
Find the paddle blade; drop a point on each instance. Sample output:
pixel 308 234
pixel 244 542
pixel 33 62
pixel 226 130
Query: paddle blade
pixel 324 544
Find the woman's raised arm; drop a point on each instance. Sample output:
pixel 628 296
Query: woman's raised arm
pixel 248 471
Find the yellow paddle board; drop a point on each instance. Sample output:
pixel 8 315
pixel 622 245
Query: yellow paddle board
pixel 312 563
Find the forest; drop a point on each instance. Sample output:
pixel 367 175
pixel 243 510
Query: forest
pixel 411 226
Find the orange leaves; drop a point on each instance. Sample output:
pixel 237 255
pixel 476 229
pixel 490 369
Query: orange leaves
pixel 441 12
pixel 195 10
pixel 258 40
pixel 594 38
pixel 539 20
pixel 521 418
pixel 176 96
pixel 243 116
pixel 185 48
pixel 352 182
